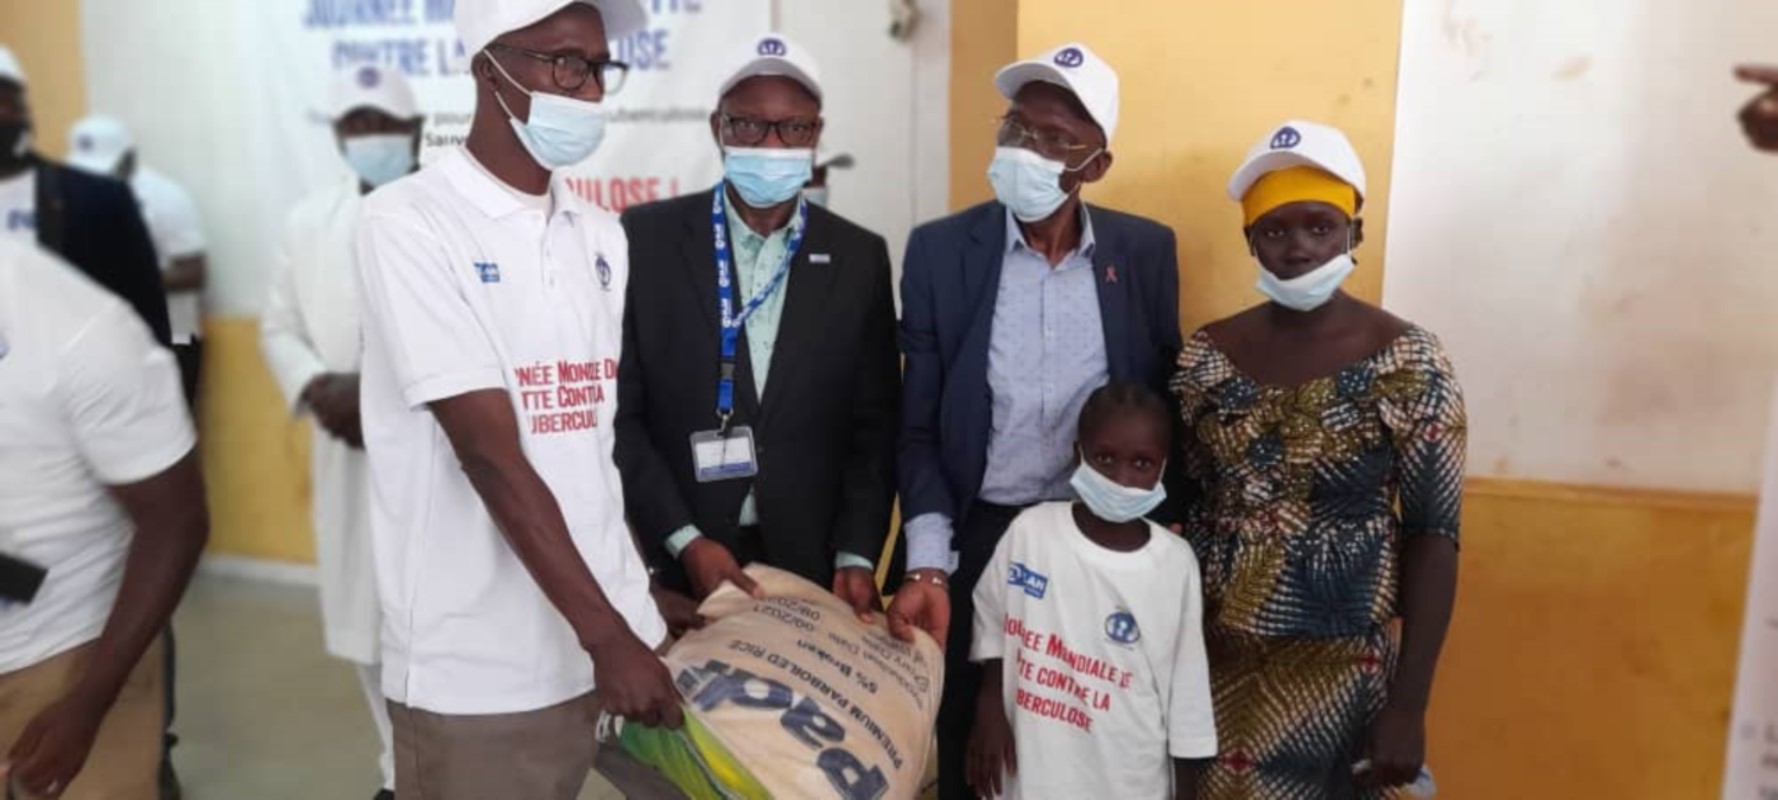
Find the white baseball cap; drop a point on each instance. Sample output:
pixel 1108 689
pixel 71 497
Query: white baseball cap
pixel 1300 144
pixel 480 22
pixel 1074 67
pixel 10 69
pixel 372 86
pixel 97 143
pixel 773 54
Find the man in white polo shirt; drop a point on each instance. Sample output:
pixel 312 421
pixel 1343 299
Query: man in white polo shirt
pixel 492 299
pixel 101 522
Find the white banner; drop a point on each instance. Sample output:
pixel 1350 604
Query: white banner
pixel 1752 772
pixel 228 98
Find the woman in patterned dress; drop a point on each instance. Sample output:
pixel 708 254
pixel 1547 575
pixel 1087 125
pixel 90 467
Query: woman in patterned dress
pixel 1325 438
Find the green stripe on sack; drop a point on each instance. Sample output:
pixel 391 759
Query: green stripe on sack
pixel 694 760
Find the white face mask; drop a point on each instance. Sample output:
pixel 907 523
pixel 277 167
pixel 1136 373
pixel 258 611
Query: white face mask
pixel 767 176
pixel 380 158
pixel 1112 501
pixel 1310 290
pixel 561 131
pixel 1026 183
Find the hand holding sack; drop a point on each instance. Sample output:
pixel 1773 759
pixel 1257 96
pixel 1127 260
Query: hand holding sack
pixel 792 696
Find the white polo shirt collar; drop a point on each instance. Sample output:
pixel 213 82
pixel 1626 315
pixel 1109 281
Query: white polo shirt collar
pixel 496 199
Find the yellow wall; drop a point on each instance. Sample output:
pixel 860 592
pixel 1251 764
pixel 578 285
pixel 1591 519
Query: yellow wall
pixel 1593 651
pixel 255 455
pixel 1201 81
pixel 45 35
pixel 984 38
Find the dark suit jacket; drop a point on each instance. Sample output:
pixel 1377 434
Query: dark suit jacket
pixel 95 224
pixel 825 429
pixel 949 284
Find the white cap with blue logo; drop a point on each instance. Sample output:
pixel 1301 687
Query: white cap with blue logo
pixel 775 55
pixel 10 69
pixel 1299 144
pixel 372 86
pixel 1074 67
pixel 96 144
pixel 480 22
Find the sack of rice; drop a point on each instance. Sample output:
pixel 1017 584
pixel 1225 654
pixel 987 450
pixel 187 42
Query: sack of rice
pixel 792 698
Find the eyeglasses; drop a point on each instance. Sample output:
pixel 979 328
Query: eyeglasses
pixel 749 132
pixel 571 72
pixel 1054 146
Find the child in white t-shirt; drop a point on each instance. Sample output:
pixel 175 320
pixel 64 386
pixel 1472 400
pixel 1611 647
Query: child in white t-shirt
pixel 1088 627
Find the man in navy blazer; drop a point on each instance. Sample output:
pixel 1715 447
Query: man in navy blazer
pixel 1012 313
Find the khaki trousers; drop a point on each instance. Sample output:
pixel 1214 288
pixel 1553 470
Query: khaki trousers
pixel 125 760
pixel 535 755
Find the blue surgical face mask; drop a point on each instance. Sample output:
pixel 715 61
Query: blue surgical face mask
pixel 1026 183
pixel 767 176
pixel 816 195
pixel 1112 501
pixel 561 131
pixel 1310 290
pixel 380 158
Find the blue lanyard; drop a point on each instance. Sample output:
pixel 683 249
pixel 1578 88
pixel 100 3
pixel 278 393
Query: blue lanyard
pixel 725 295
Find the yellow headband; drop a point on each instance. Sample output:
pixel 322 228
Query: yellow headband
pixel 1298 185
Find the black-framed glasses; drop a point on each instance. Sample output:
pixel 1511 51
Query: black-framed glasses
pixel 1050 145
pixel 571 72
pixel 749 132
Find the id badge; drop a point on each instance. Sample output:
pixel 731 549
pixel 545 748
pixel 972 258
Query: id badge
pixel 716 456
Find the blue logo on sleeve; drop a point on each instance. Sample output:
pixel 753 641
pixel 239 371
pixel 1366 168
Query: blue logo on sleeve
pixel 1286 138
pixel 1121 628
pixel 488 271
pixel 1071 58
pixel 604 269
pixel 1035 584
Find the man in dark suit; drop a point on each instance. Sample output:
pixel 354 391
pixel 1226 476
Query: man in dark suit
pixel 1013 312
pixel 92 222
pixel 721 466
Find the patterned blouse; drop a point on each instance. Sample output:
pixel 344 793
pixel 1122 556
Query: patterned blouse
pixel 1307 492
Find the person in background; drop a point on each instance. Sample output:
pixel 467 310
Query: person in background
pixel 102 521
pixel 816 190
pixel 101 145
pixel 1759 118
pixel 1325 438
pixel 492 299
pixel 91 222
pixel 1116 591
pixel 310 335
pixel 808 482
pixel 1013 312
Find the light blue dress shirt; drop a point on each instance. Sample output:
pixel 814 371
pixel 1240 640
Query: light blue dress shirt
pixel 1046 355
